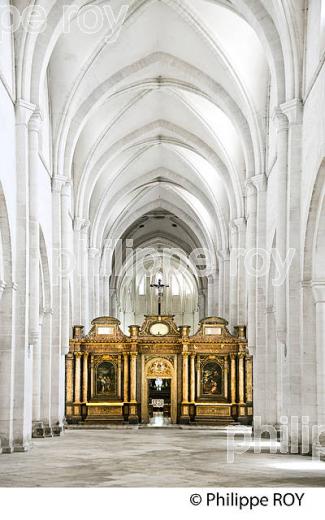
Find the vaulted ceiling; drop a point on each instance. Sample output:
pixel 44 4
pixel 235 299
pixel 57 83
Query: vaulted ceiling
pixel 169 115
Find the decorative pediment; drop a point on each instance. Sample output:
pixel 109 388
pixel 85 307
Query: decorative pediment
pixel 105 328
pixel 159 326
pixel 213 329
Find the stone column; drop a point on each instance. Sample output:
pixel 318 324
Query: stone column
pixel 262 405
pixel 282 127
pixel 46 370
pixel 251 194
pixel 85 378
pixel 106 295
pixel 58 358
pixel 319 299
pixel 66 265
pixel 233 272
pixel 126 378
pixel 241 278
pixel 293 110
pixel 7 351
pixel 233 375
pixel 22 413
pixel 84 289
pixel 224 272
pixel 34 272
pixel 192 396
pixel 93 253
pixel 77 251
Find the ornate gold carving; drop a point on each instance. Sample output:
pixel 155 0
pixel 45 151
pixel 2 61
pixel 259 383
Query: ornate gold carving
pixel 159 367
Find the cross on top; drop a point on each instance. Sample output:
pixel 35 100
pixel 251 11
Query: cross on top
pixel 160 286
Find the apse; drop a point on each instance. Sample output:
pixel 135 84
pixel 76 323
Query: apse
pixel 158 246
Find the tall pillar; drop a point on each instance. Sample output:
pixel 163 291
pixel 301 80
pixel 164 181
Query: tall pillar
pixel 34 272
pixel 7 351
pixel 282 128
pixel 241 278
pixel 84 274
pixel 233 278
pixel 22 414
pixel 198 375
pixel 251 194
pixel 106 295
pixel 192 385
pixel 293 376
pixel 93 254
pixel 262 404
pixel 58 359
pixel 46 339
pixel 319 299
pixel 66 265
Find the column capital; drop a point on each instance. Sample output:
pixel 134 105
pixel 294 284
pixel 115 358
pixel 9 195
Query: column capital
pixel 24 111
pixel 35 121
pixel 66 188
pixel 260 182
pixel 223 254
pixel 318 288
pixel 250 188
pixel 47 310
pixel 293 109
pixel 57 183
pixel 280 120
pixel 93 252
pixel 80 223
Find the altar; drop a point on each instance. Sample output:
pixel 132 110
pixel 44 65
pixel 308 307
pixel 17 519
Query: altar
pixel 204 378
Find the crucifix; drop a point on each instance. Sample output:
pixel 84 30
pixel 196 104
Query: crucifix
pixel 160 287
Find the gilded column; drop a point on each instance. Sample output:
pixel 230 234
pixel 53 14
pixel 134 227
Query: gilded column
pixel 241 377
pixel 192 396
pixel 77 375
pixel 185 406
pixel 85 378
pixel 126 378
pixel 133 417
pixel 119 377
pixel 198 375
pixel 91 375
pixel 249 379
pixel 226 378
pixel 233 377
pixel 185 377
pixel 69 379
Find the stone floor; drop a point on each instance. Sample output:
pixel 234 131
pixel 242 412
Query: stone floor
pixel 151 458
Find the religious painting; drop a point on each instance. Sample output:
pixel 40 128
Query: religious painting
pixel 211 383
pixel 106 379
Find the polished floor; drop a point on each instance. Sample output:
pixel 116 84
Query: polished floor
pixel 152 457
